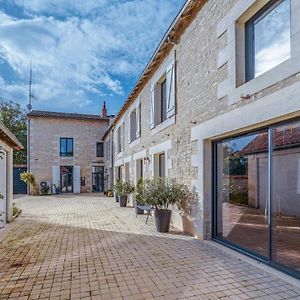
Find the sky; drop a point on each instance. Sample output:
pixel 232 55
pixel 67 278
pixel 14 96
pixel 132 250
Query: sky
pixel 82 52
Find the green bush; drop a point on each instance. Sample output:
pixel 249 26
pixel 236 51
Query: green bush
pixel 163 192
pixel 123 188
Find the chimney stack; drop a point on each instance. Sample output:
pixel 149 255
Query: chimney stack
pixel 104 111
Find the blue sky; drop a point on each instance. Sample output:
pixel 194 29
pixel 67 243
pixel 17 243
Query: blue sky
pixel 82 52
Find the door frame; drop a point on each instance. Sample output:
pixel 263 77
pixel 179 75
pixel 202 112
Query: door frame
pixel 72 186
pixel 266 260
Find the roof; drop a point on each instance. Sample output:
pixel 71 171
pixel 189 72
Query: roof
pixel 50 114
pixel 9 138
pixel 171 37
pixel 281 139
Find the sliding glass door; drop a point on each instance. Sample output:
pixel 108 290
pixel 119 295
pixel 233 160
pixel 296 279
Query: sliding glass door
pixel 257 194
pixel 285 220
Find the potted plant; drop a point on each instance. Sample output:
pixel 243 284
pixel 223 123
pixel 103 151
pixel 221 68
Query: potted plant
pixel 30 179
pixel 118 189
pixel 161 193
pixel 139 199
pixel 126 189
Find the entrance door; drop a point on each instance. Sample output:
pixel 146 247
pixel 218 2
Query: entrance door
pixel 98 179
pixel 20 187
pixel 66 179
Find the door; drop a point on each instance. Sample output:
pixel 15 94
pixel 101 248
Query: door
pixel 3 191
pixel 20 187
pixel 66 179
pixel 98 179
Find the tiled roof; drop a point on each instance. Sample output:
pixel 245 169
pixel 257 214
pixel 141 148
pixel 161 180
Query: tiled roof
pixel 50 114
pixel 285 138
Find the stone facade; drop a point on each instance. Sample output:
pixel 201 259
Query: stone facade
pixel 208 103
pixel 45 134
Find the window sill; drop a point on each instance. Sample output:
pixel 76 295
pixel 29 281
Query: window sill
pixel 265 80
pixel 167 123
pixel 135 142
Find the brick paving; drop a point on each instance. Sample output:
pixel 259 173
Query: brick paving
pixel 86 247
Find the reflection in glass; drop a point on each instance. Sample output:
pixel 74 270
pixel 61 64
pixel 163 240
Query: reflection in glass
pixel 272 37
pixel 242 192
pixel 286 196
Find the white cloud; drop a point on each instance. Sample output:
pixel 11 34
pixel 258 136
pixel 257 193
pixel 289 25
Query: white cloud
pixel 74 55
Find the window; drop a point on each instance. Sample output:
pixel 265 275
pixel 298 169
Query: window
pixel 268 38
pixel 120 138
pixel 133 126
pixel 162 100
pixel 139 169
pixel 99 149
pixel 66 147
pixel 257 194
pixel 161 165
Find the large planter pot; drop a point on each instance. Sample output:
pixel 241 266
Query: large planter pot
pixel 123 201
pixel 138 211
pixel 162 220
pixel 116 198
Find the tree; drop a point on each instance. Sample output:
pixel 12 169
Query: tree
pixel 14 118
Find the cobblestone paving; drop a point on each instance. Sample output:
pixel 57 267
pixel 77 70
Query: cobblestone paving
pixel 86 247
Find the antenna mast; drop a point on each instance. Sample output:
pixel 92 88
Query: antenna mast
pixel 29 106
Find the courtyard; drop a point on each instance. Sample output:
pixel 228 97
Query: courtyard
pixel 87 247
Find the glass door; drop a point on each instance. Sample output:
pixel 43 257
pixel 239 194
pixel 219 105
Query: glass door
pixel 98 179
pixel 285 221
pixel 66 179
pixel 241 195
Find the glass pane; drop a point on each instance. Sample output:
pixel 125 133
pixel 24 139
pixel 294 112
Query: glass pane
pixel 272 38
pixel 63 146
pixel 70 147
pixel 242 166
pixel 286 196
pixel 164 101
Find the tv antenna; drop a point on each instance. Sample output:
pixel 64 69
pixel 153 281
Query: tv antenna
pixel 31 96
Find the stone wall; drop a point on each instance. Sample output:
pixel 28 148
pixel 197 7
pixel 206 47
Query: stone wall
pixel 202 115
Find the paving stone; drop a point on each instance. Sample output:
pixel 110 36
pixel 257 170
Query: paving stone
pixel 87 247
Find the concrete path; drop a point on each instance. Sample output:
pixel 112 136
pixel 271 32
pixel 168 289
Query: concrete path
pixel 86 247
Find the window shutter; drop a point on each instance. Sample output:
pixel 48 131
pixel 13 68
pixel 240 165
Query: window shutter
pixel 151 110
pixel 122 137
pixel 129 128
pixel 171 89
pixel 137 120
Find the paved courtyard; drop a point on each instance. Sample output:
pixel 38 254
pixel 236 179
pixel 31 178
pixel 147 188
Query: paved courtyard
pixel 86 247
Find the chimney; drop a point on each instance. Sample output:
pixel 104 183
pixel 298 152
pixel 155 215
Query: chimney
pixel 104 111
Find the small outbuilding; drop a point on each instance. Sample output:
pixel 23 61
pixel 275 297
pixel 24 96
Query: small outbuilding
pixel 8 143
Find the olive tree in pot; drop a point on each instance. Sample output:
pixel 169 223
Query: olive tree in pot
pixel 161 194
pixel 139 198
pixel 126 189
pixel 118 189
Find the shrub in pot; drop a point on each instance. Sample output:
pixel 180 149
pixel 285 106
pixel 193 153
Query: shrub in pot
pixel 126 189
pixel 139 200
pixel 162 193
pixel 118 189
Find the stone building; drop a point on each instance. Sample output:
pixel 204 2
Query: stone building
pixel 225 73
pixel 8 143
pixel 66 150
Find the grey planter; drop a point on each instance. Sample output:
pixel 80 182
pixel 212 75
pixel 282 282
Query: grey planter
pixel 138 211
pixel 162 220
pixel 116 198
pixel 123 201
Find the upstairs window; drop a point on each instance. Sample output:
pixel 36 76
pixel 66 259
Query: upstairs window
pixel 99 149
pixel 134 124
pixel 66 147
pixel 162 100
pixel 120 138
pixel 268 38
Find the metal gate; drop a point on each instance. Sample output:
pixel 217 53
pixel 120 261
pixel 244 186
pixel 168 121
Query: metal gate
pixel 20 187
